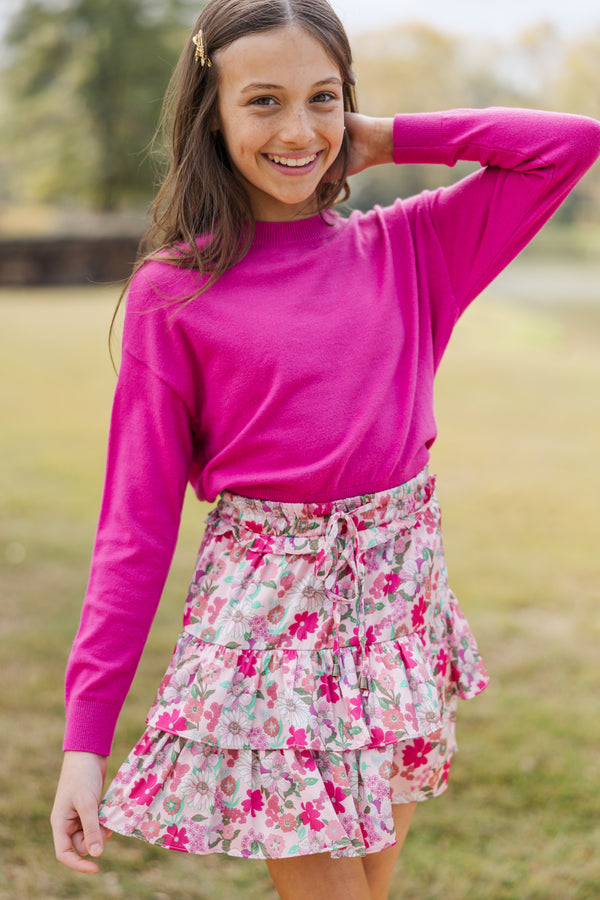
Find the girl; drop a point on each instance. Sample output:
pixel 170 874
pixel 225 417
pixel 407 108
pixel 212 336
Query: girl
pixel 283 357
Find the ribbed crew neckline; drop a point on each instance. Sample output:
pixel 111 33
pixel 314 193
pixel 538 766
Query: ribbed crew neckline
pixel 314 228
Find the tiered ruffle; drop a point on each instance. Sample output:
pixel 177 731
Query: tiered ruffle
pixel 308 690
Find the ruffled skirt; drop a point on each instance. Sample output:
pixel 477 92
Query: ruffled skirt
pixel 314 683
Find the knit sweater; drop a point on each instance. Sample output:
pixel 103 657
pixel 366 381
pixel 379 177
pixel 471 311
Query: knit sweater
pixel 306 372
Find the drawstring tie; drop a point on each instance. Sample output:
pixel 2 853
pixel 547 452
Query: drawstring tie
pixel 339 552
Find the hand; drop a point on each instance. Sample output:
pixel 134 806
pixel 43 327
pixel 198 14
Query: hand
pixel 75 826
pixel 371 144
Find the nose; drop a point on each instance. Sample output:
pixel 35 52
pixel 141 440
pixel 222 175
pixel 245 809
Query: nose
pixel 297 129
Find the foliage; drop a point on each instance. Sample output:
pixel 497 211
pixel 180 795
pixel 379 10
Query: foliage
pixel 86 80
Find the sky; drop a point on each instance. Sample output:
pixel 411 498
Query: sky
pixel 500 18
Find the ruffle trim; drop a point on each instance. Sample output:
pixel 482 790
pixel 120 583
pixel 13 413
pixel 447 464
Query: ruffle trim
pixel 197 799
pixel 270 699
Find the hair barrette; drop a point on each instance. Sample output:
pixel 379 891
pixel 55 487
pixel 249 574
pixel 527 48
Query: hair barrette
pixel 201 55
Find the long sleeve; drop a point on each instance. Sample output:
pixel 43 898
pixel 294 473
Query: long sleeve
pixel 530 161
pixel 149 454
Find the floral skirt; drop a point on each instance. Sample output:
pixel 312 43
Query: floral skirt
pixel 314 683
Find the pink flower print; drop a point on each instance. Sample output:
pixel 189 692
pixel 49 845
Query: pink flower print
pixel 380 737
pixel 145 790
pixel 115 798
pixel 254 803
pixel 228 785
pixel 212 717
pixel 176 838
pixel 260 547
pixel 193 709
pixel 406 652
pixel 310 816
pixel 172 804
pixel 173 722
pixel 178 774
pixel 393 718
pixel 337 796
pixel 274 845
pixel 304 624
pixel 287 822
pixel 275 662
pixel 415 754
pixel 271 727
pixel 369 637
pixel 272 694
pixel 418 613
pixel 256 527
pixel 272 811
pixel 150 830
pixel 410 715
pixel 208 635
pixel 247 663
pixel 356 708
pixel 287 581
pixel 309 683
pixel 441 662
pixel 228 832
pixel 385 583
pixel 308 761
pixel 329 688
pixel 297 737
pixel 276 614
pixel 446 771
pixel 144 746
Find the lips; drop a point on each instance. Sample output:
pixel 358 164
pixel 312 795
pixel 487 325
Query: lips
pixel 293 163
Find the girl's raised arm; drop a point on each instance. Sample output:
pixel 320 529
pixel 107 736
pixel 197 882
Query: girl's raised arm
pixel 530 162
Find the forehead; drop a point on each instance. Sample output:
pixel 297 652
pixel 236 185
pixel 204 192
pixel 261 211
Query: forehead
pixel 284 56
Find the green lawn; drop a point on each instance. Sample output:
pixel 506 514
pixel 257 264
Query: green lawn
pixel 519 413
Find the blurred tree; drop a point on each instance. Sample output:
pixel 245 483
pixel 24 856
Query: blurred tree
pixel 578 90
pixel 85 81
pixel 415 68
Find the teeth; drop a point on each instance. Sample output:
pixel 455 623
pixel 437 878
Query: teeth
pixel 293 163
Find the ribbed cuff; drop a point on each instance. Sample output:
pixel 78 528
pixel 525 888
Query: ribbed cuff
pixel 418 138
pixel 90 727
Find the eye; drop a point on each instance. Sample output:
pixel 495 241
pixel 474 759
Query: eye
pixel 324 97
pixel 263 101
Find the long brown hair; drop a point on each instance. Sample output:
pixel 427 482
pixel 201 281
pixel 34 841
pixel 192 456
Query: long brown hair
pixel 200 195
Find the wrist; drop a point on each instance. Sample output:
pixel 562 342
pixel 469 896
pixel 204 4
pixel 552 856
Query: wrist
pixel 383 141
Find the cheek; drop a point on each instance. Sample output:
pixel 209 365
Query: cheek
pixel 336 135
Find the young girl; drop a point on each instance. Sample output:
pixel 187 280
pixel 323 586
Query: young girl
pixel 282 357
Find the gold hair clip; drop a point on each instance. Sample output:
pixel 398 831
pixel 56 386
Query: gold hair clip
pixel 200 55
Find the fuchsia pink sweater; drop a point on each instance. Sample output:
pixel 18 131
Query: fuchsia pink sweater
pixel 306 373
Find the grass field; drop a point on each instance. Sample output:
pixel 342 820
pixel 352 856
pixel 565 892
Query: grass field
pixel 519 413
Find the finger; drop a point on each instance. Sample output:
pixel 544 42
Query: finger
pixel 92 835
pixel 66 855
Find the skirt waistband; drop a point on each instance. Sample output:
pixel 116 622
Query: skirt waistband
pixel 313 520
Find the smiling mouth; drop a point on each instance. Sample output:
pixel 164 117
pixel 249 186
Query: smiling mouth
pixel 290 163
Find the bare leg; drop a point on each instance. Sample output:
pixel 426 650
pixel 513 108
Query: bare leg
pixel 319 877
pixel 380 866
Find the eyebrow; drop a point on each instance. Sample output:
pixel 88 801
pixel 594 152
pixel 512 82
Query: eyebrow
pixel 264 86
